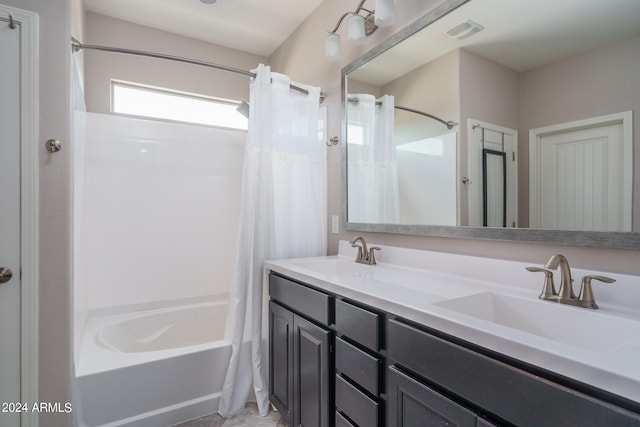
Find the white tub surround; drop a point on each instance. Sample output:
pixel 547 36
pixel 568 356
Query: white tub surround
pixel 494 304
pixel 183 183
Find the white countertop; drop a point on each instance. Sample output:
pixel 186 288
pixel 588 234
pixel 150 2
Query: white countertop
pixel 600 347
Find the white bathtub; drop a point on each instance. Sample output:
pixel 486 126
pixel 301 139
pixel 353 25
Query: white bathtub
pixel 154 367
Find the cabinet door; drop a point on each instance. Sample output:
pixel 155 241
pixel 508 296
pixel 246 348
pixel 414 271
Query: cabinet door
pixel 311 355
pixel 281 359
pixel 520 398
pixel 413 404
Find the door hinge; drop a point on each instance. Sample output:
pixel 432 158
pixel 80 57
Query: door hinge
pixel 513 156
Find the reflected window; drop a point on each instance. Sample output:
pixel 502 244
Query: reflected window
pixel 356 134
pixel 429 146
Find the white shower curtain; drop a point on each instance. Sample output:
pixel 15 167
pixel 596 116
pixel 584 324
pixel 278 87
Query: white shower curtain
pixel 373 170
pixel 283 215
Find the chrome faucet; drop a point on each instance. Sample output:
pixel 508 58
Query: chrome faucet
pixel 365 254
pixel 565 295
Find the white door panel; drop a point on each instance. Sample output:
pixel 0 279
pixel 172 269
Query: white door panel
pixel 10 222
pixel 18 217
pixel 580 178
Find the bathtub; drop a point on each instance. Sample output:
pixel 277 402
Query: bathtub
pixel 153 367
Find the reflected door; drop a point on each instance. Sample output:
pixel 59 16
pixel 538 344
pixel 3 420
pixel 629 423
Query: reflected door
pixel 494 188
pixel 493 175
pixel 581 180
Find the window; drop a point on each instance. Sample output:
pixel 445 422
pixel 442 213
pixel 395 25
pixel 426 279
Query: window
pixel 146 101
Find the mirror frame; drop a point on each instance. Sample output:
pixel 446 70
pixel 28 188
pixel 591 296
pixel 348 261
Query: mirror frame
pixel 620 240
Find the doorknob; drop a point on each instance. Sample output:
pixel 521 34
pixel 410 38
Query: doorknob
pixel 5 274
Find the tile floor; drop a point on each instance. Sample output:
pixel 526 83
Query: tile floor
pixel 249 418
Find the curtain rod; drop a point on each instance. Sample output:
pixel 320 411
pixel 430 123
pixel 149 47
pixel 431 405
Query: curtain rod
pixel 448 124
pixel 76 46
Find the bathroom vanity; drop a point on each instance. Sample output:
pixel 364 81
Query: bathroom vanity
pixel 413 341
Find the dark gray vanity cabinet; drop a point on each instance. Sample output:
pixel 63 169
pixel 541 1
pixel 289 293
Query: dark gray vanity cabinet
pixel 359 365
pixel 300 363
pixel 431 375
pixel 337 362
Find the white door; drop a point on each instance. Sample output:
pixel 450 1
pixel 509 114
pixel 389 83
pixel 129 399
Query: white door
pixel 9 224
pixel 581 177
pixel 18 217
pixel 492 193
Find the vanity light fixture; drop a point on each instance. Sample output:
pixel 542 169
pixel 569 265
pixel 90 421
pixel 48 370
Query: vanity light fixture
pixel 360 25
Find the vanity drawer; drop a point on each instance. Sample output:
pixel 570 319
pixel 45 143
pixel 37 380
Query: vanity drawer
pixel 510 393
pixel 358 366
pixel 359 324
pixel 307 301
pixel 342 421
pixel 364 411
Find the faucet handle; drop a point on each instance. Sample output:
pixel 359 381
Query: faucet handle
pixel 548 289
pixel 586 293
pixel 372 255
pixel 360 255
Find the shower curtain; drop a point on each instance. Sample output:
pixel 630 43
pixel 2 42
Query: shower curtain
pixel 373 169
pixel 283 215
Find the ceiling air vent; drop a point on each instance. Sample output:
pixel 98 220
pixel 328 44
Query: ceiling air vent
pixel 464 30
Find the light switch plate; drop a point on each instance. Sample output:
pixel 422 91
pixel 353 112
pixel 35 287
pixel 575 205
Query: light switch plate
pixel 335 224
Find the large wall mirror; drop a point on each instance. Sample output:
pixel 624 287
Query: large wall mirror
pixel 499 119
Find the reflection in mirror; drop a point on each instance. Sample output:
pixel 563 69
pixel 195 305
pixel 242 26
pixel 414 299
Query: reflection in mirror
pixel 494 188
pixel 543 94
pixel 401 176
pixel 373 167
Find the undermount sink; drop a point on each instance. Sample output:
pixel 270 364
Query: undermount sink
pixel 385 277
pixel 579 327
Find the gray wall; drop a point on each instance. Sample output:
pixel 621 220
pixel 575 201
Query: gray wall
pixel 101 67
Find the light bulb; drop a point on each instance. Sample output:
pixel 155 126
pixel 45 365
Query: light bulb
pixel 332 48
pixel 384 14
pixel 356 28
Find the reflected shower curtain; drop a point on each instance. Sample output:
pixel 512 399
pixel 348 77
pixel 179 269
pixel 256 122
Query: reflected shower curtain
pixel 283 215
pixel 373 168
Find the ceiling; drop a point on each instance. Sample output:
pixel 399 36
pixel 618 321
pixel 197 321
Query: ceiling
pixel 552 29
pixel 521 34
pixel 254 26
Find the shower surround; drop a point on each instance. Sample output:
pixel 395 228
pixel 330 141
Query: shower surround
pixel 156 221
